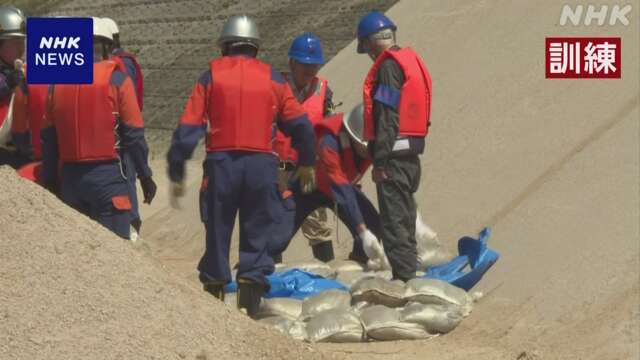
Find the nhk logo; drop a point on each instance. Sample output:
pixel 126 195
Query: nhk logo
pixel 60 50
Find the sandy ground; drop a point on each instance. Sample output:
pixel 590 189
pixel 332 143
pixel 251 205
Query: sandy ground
pixel 73 290
pixel 551 165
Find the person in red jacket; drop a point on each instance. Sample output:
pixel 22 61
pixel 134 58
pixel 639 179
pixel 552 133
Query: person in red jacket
pixel 237 104
pixel 342 161
pixel 397 108
pixel 305 60
pixel 129 63
pixel 84 128
pixel 15 149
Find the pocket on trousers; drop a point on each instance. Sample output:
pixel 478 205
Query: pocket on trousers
pixel 121 202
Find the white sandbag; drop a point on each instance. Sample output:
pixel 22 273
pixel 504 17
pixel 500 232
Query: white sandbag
pixel 430 291
pixel 384 324
pixel 358 307
pixel 336 325
pixel 278 322
pixel 326 300
pixel 298 330
pixel 379 291
pixel 378 264
pixel 314 267
pixel 340 266
pixel 348 278
pixel 286 307
pixel 436 319
pixel 429 249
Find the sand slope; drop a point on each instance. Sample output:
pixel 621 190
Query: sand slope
pixel 72 290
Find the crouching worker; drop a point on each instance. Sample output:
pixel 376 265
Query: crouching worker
pixel 343 160
pixel 84 128
pixel 236 104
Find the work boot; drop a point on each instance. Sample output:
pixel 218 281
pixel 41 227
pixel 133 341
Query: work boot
pixel 215 288
pixel 249 296
pixel 323 251
pixel 212 286
pixel 359 258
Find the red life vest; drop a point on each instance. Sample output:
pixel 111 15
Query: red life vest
pixel 84 118
pixel 4 109
pixel 349 166
pixel 139 78
pixel 242 108
pixel 314 106
pixel 415 96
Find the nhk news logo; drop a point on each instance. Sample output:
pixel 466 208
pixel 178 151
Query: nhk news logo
pixel 59 50
pixel 589 58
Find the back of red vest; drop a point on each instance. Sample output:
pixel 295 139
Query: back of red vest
pixel 242 105
pixel 84 119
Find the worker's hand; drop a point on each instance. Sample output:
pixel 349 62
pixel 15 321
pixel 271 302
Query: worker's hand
pixel 176 191
pixel 374 250
pixel 379 175
pixel 370 244
pixel 149 189
pixel 307 176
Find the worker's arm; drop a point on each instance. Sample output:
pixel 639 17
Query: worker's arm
pixel 386 100
pixel 131 126
pixel 293 121
pixel 20 129
pixel 9 79
pixel 192 127
pixel 342 191
pixel 49 140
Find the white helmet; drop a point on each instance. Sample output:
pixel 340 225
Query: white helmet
pixel 112 25
pixel 101 29
pixel 354 123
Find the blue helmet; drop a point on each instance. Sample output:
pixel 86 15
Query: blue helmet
pixel 307 49
pixel 372 23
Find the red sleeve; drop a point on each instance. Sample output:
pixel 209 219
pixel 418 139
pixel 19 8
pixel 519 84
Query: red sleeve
pixel 288 106
pixel 127 104
pixel 20 122
pixel 195 110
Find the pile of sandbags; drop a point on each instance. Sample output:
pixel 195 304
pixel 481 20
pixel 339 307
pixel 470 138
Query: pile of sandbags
pixel 375 309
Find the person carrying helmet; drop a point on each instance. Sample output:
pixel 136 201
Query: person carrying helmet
pixel 15 143
pixel 305 60
pixel 397 107
pixel 84 128
pixel 236 104
pixel 128 62
pixel 342 161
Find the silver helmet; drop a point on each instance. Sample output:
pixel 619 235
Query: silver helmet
pixel 12 22
pixel 240 30
pixel 354 123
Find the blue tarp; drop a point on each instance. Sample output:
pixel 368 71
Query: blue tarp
pixel 465 271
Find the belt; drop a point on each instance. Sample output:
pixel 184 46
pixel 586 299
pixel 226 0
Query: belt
pixel 287 166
